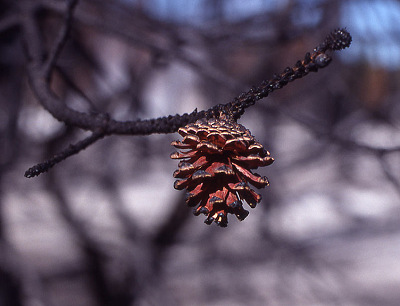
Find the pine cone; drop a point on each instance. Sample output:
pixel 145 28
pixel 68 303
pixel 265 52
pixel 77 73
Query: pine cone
pixel 215 168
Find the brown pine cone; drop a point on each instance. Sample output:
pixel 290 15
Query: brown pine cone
pixel 217 158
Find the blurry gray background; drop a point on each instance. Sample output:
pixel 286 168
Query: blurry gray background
pixel 106 227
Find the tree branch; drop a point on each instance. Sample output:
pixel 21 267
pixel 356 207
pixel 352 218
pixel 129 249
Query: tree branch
pixel 71 150
pixel 336 40
pixel 61 38
pixel 39 71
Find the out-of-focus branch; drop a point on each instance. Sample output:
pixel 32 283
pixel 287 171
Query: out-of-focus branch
pixel 22 282
pixel 130 228
pixel 166 234
pixel 69 82
pixel 95 255
pixel 324 132
pixel 389 174
pixel 168 44
pixel 9 22
pixel 61 39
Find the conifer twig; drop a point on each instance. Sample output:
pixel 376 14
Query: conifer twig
pixel 336 40
pixel 312 62
pixel 71 150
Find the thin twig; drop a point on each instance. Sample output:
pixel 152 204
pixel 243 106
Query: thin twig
pixel 337 40
pixel 389 174
pixel 122 28
pixel 66 78
pixel 93 250
pixel 321 131
pixel 61 38
pixel 19 279
pixel 71 150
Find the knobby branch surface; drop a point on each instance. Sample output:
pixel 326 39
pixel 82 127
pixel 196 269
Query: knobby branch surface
pixel 71 150
pixel 337 40
pixel 40 69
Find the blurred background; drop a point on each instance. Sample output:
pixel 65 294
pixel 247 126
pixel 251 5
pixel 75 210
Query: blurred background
pixel 106 227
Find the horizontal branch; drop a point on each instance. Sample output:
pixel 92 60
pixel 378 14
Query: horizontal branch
pixel 169 124
pixel 40 68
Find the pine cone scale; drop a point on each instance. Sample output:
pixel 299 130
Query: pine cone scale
pixel 215 168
